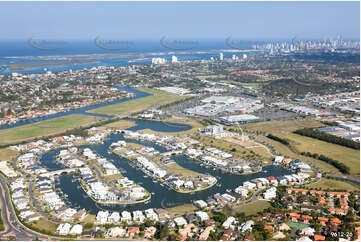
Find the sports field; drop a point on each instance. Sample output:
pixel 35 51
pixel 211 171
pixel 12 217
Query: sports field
pixel 45 128
pixel 158 98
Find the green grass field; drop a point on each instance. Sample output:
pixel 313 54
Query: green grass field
pixel 45 128
pixel 158 98
pixel 348 156
pixel 330 184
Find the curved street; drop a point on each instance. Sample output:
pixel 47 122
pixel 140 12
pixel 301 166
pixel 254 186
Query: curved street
pixel 14 228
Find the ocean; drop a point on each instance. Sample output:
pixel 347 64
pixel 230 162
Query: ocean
pixel 105 53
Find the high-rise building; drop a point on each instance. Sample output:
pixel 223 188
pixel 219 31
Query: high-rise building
pixel 158 60
pixel 174 59
pixel 221 56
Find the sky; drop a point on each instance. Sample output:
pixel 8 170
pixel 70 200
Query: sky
pixel 187 20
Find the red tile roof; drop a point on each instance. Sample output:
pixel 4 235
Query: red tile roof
pixel 318 237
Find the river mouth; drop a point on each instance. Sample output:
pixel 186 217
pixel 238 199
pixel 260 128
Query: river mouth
pixel 162 196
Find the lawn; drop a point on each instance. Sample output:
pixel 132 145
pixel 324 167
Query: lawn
pixel 7 154
pixel 158 98
pixel 251 208
pixel 45 128
pixel 348 156
pixel 331 184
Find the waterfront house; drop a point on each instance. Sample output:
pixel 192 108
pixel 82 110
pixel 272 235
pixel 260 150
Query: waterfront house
pixel 200 204
pixel 162 213
pixel 102 217
pixel 114 217
pixel 188 185
pixel 138 216
pixel 249 185
pixel 228 197
pixel 80 214
pixel 150 214
pixel 126 216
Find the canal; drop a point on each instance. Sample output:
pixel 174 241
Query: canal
pixel 82 111
pixel 162 196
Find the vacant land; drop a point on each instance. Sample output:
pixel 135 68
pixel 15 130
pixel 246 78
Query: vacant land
pixel 251 208
pixel 176 169
pixel 249 144
pixel 158 98
pixel 298 143
pixel 7 154
pixel 180 210
pixel 45 128
pixel 44 225
pixel 230 147
pixel 286 151
pixel 330 184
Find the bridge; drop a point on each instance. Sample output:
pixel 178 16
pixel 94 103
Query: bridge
pixel 58 172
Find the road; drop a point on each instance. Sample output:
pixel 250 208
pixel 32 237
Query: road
pixel 14 228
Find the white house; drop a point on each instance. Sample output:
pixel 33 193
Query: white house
pixel 63 229
pixel 202 215
pixel 138 216
pixel 102 217
pixel 188 185
pixel 126 216
pixel 76 229
pixel 227 224
pixel 270 193
pixel 180 221
pixel 114 217
pixel 242 191
pixel 200 204
pixel 249 185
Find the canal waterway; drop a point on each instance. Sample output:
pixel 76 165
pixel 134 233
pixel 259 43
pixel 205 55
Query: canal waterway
pixel 162 196
pixel 82 111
